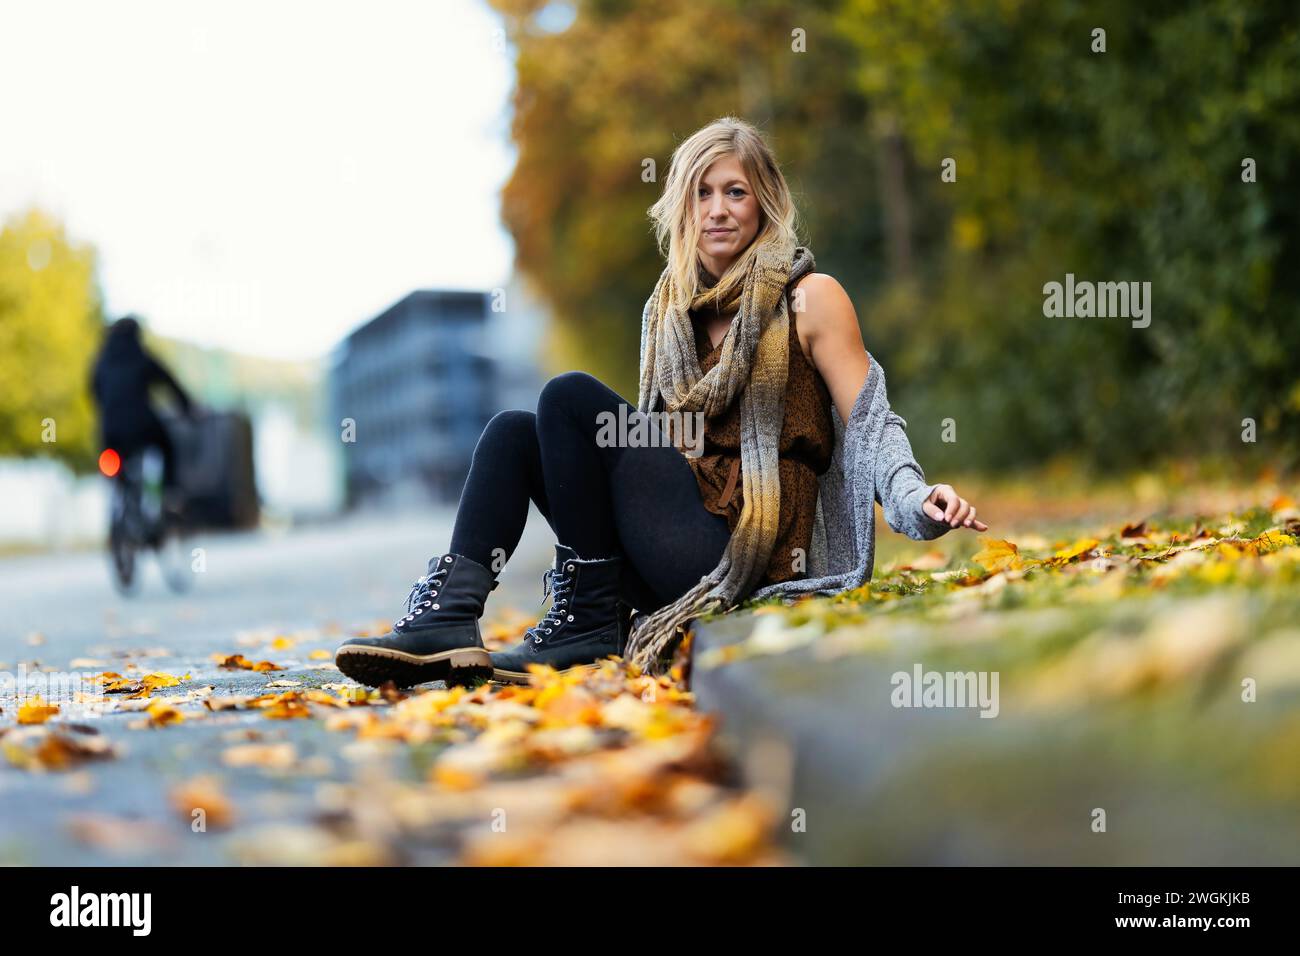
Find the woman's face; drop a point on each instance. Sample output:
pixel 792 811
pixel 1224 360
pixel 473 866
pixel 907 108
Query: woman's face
pixel 727 212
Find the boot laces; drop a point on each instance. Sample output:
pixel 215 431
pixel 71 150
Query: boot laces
pixel 421 596
pixel 559 609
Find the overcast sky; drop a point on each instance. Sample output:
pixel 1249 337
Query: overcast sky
pixel 262 176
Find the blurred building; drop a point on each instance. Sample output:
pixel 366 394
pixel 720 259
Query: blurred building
pixel 410 392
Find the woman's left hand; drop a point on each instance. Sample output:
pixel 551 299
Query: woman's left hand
pixel 944 504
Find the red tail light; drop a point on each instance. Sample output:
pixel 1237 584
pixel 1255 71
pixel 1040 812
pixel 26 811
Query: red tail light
pixel 109 462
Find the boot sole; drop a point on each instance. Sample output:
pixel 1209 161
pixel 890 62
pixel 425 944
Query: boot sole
pixel 374 666
pixel 502 676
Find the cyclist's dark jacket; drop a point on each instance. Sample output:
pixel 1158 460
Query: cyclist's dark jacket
pixel 120 382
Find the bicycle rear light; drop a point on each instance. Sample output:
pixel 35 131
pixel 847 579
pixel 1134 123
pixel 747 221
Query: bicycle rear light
pixel 110 463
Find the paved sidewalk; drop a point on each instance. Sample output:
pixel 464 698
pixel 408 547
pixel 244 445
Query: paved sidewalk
pixel 277 597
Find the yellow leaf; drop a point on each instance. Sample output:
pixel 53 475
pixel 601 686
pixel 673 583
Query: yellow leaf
pixel 154 681
pixel 202 793
pixel 1082 546
pixel 321 697
pixel 452 777
pixel 161 714
pixel 240 662
pixel 34 710
pixel 276 756
pixel 999 555
pixel 732 833
pixel 286 706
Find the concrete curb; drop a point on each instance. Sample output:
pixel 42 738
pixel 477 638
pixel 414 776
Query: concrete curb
pixel 863 782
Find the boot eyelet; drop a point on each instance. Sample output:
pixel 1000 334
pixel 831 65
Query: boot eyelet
pixel 447 559
pixel 570 567
pixel 435 607
pixel 570 617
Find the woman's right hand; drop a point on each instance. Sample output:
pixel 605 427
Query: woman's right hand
pixel 944 504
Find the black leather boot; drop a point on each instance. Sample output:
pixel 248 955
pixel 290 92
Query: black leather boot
pixel 437 639
pixel 586 623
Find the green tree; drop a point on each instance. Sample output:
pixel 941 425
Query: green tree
pixel 1116 165
pixel 50 327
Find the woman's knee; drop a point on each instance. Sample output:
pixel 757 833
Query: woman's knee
pixel 514 426
pixel 570 390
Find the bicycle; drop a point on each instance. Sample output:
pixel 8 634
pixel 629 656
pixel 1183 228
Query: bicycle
pixel 138 520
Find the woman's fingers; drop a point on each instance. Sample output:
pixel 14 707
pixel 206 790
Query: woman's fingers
pixel 948 496
pixel 944 504
pixel 963 509
pixel 931 508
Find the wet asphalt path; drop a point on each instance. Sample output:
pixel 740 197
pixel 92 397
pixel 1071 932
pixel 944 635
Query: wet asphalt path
pixel 317 584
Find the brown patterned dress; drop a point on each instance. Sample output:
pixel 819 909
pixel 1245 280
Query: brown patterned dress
pixel 807 440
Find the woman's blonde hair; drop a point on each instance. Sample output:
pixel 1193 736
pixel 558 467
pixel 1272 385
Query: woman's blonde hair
pixel 677 226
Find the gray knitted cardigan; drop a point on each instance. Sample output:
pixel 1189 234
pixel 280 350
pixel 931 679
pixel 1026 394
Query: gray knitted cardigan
pixel 872 461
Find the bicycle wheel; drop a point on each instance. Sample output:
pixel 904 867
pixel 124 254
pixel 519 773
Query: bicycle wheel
pixel 122 551
pixel 174 557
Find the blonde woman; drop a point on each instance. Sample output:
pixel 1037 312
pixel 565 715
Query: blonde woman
pixel 739 337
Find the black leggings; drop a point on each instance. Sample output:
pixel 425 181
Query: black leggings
pixel 640 503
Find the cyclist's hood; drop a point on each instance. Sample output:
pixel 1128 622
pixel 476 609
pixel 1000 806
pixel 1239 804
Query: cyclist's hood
pixel 119 344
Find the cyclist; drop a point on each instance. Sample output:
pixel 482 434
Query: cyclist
pixel 123 373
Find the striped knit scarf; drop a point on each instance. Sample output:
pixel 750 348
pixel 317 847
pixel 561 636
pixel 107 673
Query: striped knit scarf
pixel 753 366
